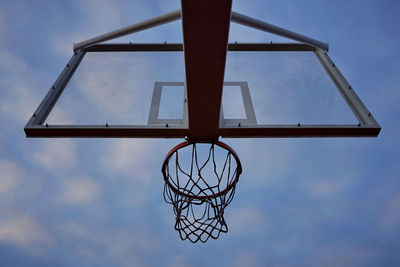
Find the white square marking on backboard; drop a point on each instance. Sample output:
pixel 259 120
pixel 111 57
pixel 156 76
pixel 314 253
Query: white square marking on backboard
pixel 232 102
pixel 250 117
pixel 154 114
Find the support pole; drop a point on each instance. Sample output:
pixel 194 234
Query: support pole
pixel 266 27
pixel 205 40
pixel 150 23
pixel 175 15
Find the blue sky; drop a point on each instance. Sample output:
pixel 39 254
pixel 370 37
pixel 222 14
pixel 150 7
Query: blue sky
pixel 299 202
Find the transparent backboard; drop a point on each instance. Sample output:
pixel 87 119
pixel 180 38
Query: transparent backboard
pixel 117 88
pixel 270 90
pixel 285 88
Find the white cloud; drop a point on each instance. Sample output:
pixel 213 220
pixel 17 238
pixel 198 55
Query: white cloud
pixel 60 115
pixel 22 230
pixel 57 153
pixel 246 259
pixel 342 254
pixel 178 261
pixel 103 16
pixel 9 176
pixel 132 158
pixel 80 190
pixel 244 219
pixel 390 217
pixel 100 16
pixel 23 105
pixel 122 244
pixel 263 162
pixel 330 186
pixel 126 247
pixel 81 237
pixel 13 64
pixel 16 184
pixel 20 84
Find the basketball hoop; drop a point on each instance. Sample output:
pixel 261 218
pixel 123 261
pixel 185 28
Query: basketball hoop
pixel 198 189
pixel 199 184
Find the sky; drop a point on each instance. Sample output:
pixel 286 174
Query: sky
pixel 98 202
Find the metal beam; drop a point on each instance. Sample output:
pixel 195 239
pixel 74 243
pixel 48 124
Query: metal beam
pixel 363 115
pixel 253 47
pixel 175 15
pixel 103 131
pixel 205 34
pixel 279 131
pixel 133 47
pixel 227 131
pixel 264 26
pixel 43 110
pixel 150 23
pixel 155 47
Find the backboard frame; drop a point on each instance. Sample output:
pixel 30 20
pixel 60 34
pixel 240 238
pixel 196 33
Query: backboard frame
pixel 367 126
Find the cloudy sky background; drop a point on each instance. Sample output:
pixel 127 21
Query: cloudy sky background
pixel 300 202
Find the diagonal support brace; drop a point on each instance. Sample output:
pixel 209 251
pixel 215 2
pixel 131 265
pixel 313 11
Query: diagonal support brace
pixel 266 27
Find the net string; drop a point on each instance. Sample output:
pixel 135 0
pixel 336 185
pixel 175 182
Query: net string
pixel 197 194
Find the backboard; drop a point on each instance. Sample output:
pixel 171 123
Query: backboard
pixel 138 90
